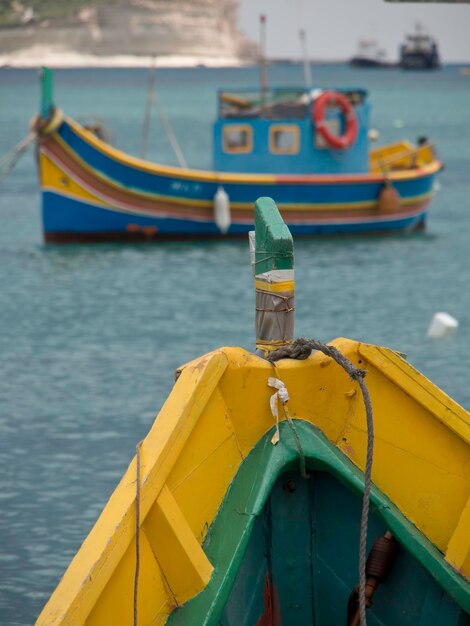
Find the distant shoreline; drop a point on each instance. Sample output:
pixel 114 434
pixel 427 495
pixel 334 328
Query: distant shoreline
pixel 38 56
pixel 33 58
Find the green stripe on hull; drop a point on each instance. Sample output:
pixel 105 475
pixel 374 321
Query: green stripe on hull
pixel 306 543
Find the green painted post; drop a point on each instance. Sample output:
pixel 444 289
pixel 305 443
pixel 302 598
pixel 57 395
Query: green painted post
pixel 47 100
pixel 272 251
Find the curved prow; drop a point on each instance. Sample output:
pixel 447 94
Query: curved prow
pixel 213 517
pixel 47 95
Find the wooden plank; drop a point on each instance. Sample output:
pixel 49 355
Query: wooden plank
pixel 185 566
pixel 458 550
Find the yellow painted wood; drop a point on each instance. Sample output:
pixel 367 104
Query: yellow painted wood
pixel 416 457
pixel 400 155
pixel 53 178
pixel 102 552
pixel 217 412
pixel 116 605
pixel 424 391
pixel 275 287
pixel 210 432
pixel 180 556
pixel 201 494
pixel 458 551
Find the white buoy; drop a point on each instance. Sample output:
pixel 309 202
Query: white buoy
pixel 442 325
pixel 222 210
pixel 373 134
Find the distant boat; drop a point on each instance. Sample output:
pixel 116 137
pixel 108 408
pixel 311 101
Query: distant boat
pixel 419 51
pixel 370 55
pixel 309 149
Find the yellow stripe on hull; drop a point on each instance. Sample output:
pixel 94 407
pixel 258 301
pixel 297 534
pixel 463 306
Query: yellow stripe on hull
pixel 55 178
pixel 225 177
pixel 217 412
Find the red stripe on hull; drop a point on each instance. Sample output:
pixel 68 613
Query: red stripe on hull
pixel 126 201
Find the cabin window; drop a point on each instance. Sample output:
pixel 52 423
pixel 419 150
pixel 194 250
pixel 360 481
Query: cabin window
pixel 284 139
pixel 238 139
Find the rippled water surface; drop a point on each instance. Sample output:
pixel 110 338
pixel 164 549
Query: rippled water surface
pixel 91 334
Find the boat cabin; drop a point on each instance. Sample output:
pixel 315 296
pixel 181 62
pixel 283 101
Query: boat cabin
pixel 282 131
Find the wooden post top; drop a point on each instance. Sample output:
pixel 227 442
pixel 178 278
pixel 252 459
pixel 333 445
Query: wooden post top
pixel 274 244
pixel 273 267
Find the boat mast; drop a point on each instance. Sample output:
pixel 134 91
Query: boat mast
pixel 263 76
pixel 272 259
pixel 306 60
pixel 148 108
pixel 152 96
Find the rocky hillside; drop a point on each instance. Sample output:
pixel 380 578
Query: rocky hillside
pixel 206 28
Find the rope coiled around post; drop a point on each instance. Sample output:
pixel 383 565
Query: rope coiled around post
pixel 301 349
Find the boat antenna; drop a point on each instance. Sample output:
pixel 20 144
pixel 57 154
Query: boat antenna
pixel 152 96
pixel 148 108
pixel 263 76
pixel 306 60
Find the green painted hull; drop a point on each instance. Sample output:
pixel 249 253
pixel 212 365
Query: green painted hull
pixel 285 549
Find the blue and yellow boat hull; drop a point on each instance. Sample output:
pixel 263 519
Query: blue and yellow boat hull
pixel 94 192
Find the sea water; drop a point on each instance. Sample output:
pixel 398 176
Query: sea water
pixel 91 335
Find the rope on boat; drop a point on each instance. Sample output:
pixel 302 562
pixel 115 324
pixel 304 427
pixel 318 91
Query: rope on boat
pixel 152 97
pixel 301 349
pixel 11 158
pixel 137 534
pixel 39 128
pixel 282 396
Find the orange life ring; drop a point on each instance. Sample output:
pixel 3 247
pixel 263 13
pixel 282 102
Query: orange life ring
pixel 333 98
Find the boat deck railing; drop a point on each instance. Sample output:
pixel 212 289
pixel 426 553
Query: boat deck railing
pixel 275 103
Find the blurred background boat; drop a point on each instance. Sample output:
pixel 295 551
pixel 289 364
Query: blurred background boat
pixel 419 51
pixel 307 148
pixel 370 54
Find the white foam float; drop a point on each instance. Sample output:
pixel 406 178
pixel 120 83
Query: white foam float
pixel 442 325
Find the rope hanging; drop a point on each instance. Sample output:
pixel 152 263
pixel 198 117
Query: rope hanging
pixel 301 349
pixel 11 158
pixel 137 534
pixel 39 128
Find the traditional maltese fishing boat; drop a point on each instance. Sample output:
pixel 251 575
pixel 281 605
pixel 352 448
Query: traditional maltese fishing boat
pixel 307 148
pixel 248 501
